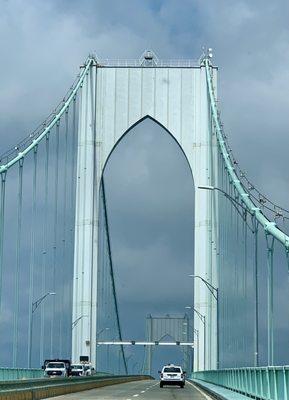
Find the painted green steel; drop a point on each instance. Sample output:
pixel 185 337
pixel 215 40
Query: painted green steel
pixel 10 374
pixel 269 226
pixel 262 383
pixel 57 117
pixel 14 374
pixel 219 392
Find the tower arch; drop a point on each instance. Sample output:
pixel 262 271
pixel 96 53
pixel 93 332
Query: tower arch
pixel 147 117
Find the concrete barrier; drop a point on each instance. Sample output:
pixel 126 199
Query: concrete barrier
pixel 44 388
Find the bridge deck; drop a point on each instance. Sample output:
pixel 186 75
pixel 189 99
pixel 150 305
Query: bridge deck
pixel 144 390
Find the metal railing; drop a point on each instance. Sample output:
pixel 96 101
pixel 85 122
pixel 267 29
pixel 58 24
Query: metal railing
pixel 178 63
pixel 263 383
pixel 11 374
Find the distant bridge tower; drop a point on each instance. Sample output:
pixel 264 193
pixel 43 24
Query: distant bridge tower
pixel 165 329
pixel 115 96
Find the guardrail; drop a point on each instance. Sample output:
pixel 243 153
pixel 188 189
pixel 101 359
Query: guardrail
pixel 9 374
pixel 34 389
pixel 261 383
pixel 13 374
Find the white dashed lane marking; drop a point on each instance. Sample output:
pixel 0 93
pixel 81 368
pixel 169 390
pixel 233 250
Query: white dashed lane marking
pixel 199 390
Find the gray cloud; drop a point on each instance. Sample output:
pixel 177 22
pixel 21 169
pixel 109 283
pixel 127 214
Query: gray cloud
pixel 42 45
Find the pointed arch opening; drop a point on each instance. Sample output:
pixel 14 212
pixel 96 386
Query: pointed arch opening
pixel 150 209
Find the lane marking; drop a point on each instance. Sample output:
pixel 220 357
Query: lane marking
pixel 143 391
pixel 199 390
pixel 135 395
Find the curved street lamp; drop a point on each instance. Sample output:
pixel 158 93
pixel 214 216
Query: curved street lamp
pixel 34 307
pixel 203 319
pixel 215 293
pixel 74 323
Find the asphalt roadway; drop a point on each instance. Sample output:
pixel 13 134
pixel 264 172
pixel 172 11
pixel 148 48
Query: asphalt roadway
pixel 139 390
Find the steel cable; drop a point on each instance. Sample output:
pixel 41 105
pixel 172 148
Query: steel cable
pixel 17 265
pixel 112 274
pixel 62 270
pixel 44 287
pixel 32 252
pixel 2 214
pixel 55 231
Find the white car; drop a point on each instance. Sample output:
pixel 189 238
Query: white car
pixel 77 370
pixel 172 375
pixel 88 370
pixel 55 368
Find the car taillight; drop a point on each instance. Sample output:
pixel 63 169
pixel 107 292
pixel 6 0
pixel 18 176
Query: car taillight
pixel 162 375
pixel 182 375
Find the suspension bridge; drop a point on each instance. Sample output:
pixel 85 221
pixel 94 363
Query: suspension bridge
pixel 58 295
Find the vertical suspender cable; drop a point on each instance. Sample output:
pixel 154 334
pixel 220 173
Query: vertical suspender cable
pixel 72 199
pixel 17 272
pixel 73 175
pixel 32 254
pixel 243 268
pixel 63 269
pixel 2 207
pixel 256 289
pixel 55 223
pixel 44 247
pixel 73 146
pixel 270 250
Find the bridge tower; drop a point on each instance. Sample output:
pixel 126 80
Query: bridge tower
pixel 114 97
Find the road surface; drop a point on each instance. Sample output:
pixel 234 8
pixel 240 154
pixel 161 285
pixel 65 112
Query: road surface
pixel 139 390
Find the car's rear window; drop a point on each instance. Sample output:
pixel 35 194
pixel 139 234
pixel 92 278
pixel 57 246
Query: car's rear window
pixel 55 365
pixel 172 369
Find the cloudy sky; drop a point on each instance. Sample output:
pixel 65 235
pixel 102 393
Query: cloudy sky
pixel 44 42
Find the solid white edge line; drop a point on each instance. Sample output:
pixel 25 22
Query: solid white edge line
pixel 199 390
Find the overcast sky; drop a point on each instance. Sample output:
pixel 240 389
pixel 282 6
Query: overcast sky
pixel 44 42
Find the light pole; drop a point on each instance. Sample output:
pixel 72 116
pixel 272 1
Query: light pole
pixel 127 360
pixel 133 367
pixel 100 332
pixel 215 292
pixel 74 323
pixel 255 231
pixel 194 348
pixel 96 336
pixel 119 355
pixel 196 332
pixel 34 306
pixel 205 187
pixel 203 319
